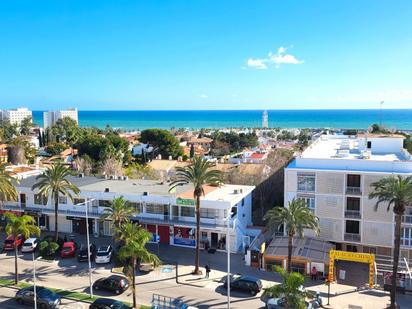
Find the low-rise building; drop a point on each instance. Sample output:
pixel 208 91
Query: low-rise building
pixel 171 215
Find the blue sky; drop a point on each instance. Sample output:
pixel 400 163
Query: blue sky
pixel 205 54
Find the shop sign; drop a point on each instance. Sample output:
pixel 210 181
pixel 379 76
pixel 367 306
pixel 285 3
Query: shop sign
pixel 74 218
pixel 185 201
pixel 185 242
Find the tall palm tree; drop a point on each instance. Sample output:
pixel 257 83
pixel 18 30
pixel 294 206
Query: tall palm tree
pixel 24 226
pixel 199 173
pixel 119 212
pixel 296 218
pixel 134 239
pixel 396 192
pixel 8 191
pixel 54 182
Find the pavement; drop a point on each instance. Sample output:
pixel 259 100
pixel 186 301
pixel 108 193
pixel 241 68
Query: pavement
pixel 194 290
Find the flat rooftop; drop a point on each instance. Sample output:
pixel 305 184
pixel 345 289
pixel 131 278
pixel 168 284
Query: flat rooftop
pixel 152 187
pixel 349 148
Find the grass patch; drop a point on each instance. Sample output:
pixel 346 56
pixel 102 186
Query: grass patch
pixel 6 282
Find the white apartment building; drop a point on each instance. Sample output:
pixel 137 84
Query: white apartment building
pixel 16 116
pixel 334 176
pixel 51 117
pixel 171 216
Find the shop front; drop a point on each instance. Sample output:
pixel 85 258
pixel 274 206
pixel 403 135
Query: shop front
pixel 184 236
pixel 41 220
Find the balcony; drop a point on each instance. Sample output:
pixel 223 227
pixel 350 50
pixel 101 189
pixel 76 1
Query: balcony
pixel 353 190
pixel 40 209
pixel 354 214
pixel 179 220
pixel 352 237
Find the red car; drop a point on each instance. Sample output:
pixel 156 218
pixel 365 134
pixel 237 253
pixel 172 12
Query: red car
pixel 68 249
pixel 10 242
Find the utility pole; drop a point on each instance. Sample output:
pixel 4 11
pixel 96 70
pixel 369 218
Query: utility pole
pixel 88 248
pixel 34 281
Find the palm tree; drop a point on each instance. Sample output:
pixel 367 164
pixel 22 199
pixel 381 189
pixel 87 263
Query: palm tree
pixel 296 218
pixel 290 289
pixel 23 226
pixel 396 192
pixel 199 174
pixel 54 182
pixel 8 191
pixel 119 212
pixel 134 239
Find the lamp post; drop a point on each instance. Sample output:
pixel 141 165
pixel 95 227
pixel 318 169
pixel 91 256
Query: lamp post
pixel 88 247
pixel 228 256
pixel 34 281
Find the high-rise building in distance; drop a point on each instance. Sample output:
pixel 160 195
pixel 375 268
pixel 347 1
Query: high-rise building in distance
pixel 51 117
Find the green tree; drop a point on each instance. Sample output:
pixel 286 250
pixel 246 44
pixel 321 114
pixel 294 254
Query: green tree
pixel 24 226
pixel 8 190
pixel 289 289
pixel 396 192
pixel 165 143
pixel 56 148
pixel 133 252
pixel 199 173
pixel 8 131
pixel 296 218
pixel 119 212
pixel 26 126
pixel 53 183
pixel 66 130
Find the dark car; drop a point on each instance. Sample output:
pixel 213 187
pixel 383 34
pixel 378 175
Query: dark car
pixel 82 254
pixel 107 303
pixel 114 283
pixel 248 284
pixel 45 297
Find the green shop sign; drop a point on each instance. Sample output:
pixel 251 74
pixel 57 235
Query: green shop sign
pixel 185 201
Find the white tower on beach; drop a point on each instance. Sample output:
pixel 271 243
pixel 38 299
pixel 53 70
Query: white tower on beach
pixel 265 119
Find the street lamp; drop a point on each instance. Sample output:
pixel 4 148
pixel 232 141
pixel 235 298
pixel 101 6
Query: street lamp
pixel 86 203
pixel 228 256
pixel 34 281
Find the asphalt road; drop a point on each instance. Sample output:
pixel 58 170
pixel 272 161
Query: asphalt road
pixel 72 275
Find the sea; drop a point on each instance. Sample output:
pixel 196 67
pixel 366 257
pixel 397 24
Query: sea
pixel 130 120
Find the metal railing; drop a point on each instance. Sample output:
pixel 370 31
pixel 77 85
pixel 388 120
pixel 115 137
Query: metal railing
pixel 93 212
pixel 190 221
pixel 352 237
pixel 356 214
pixel 353 190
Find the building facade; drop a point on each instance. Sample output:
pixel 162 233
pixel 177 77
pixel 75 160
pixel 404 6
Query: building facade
pixel 51 117
pixel 334 175
pixel 16 116
pixel 169 215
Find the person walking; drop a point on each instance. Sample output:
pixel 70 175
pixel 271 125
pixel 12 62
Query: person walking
pixel 314 273
pixel 207 269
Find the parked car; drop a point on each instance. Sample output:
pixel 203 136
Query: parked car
pixel 68 249
pixel 114 283
pixel 30 245
pixel 45 297
pixel 82 254
pixel 104 254
pixel 248 284
pixel 10 242
pixel 108 303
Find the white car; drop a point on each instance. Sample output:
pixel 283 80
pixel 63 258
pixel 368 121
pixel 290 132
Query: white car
pixel 30 245
pixel 104 254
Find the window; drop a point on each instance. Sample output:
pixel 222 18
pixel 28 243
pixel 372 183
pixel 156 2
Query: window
pixel 306 182
pixel 353 181
pixel 78 201
pixel 243 201
pixel 40 199
pixel 104 203
pixel 353 203
pixel 406 237
pixel 352 227
pixel 207 213
pixel 137 206
pixel 309 201
pixel 187 211
pixel 175 211
pixel 62 199
pixel 155 209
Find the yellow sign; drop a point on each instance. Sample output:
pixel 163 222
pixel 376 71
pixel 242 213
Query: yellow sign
pixel 353 257
pixel 263 247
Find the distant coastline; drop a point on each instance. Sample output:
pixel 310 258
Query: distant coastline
pixel 345 118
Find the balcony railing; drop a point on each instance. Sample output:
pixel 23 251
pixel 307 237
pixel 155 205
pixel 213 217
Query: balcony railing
pixel 189 221
pixel 407 219
pixel 356 214
pixel 92 211
pixel 352 237
pixel 353 190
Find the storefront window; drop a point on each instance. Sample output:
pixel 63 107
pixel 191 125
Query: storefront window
pixel 187 211
pixel 154 209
